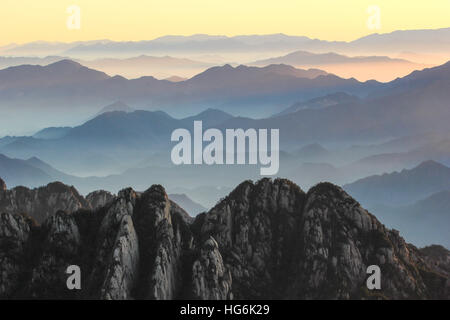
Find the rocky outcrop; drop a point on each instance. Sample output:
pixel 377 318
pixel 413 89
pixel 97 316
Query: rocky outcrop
pixel 14 236
pixel 340 240
pixel 211 279
pixel 99 199
pixel 267 240
pixel 437 258
pixel 2 185
pixel 161 250
pixel 43 202
pixel 116 257
pixel 60 244
pixel 256 228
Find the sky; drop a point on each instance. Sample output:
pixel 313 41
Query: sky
pixel 24 21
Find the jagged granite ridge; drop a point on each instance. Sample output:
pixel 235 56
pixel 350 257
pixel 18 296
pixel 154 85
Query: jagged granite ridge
pixel 266 240
pixel 42 202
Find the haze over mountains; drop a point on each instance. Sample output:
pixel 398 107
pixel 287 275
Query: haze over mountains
pixel 381 68
pixel 376 56
pixel 415 201
pixel 66 87
pixel 410 106
pixel 401 188
pixel 419 41
pixel 99 115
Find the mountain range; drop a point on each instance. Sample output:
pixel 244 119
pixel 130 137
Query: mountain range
pixel 411 106
pixel 391 110
pixel 67 88
pixel 433 41
pixel 414 201
pixel 381 68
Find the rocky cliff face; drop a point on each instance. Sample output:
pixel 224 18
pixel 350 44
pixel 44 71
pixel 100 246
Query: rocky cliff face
pixel 265 240
pixel 99 199
pixel 43 202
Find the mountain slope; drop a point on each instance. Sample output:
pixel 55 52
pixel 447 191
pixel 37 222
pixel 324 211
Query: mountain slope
pixel 52 133
pixel 63 72
pixel 298 58
pixel 320 103
pixel 19 172
pixel 410 106
pixel 402 187
pixel 116 106
pixel 210 117
pixel 381 68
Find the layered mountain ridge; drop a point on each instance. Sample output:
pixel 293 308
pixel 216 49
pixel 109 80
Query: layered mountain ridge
pixel 267 240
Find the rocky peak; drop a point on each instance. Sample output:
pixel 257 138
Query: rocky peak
pixel 2 185
pixel 100 198
pixel 211 279
pixel 42 202
pixel 266 240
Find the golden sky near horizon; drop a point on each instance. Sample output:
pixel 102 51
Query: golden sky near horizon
pixel 30 20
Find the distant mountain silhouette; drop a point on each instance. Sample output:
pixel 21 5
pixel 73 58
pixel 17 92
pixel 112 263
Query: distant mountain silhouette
pixel 418 149
pixel 116 106
pixel 210 117
pixel 191 207
pixel 320 102
pixel 408 106
pixel 118 137
pixel 240 90
pixel 312 151
pixel 437 202
pixel 401 188
pixel 298 58
pixel 122 128
pixel 423 222
pixel 52 133
pixel 21 172
pixel 175 79
pixel 63 72
pixel 381 68
pixel 111 132
pixel 420 41
pixel 11 61
pixel 144 65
